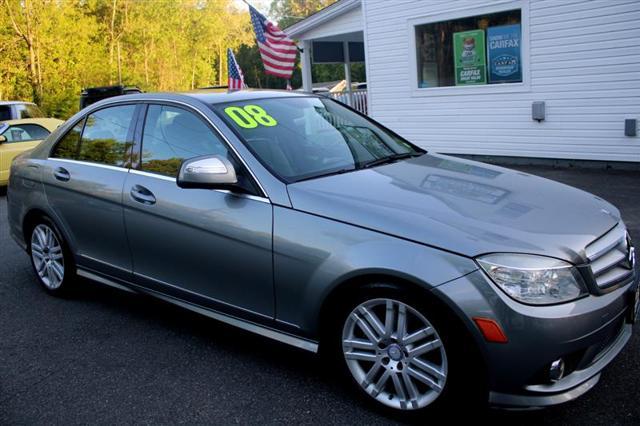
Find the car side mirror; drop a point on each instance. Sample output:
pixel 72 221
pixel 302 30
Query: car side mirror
pixel 207 172
pixel 3 138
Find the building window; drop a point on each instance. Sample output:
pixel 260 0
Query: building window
pixel 477 50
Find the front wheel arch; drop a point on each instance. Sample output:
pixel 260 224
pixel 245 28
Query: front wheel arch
pixel 342 296
pixel 345 290
pixel 29 222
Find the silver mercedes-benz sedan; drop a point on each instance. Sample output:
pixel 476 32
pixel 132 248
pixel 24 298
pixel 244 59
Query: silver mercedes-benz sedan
pixel 426 278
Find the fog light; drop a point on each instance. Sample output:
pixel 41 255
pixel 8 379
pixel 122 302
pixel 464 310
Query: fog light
pixel 556 371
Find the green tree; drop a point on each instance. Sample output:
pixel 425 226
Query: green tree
pixel 288 12
pixel 54 48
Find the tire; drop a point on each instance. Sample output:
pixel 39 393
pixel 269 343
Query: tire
pixel 422 368
pixel 50 258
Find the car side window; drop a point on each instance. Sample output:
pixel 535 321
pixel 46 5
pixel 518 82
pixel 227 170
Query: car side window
pixel 67 147
pixel 172 135
pixel 105 138
pixel 25 133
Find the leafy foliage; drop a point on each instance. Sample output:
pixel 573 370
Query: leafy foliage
pixel 52 49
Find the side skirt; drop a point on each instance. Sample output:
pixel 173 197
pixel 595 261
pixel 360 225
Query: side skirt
pixel 252 327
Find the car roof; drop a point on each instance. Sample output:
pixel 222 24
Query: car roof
pixel 215 96
pixel 205 96
pixel 15 103
pixel 211 97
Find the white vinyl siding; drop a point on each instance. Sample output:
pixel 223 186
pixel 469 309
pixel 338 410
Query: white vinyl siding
pixel 582 59
pixel 348 22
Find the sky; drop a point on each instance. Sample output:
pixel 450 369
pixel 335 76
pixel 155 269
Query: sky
pixel 261 5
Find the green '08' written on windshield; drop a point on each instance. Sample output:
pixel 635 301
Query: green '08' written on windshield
pixel 301 138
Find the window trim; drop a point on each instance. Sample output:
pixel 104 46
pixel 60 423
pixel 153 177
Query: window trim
pixel 142 102
pixel 139 133
pixel 468 12
pixel 130 135
pixel 28 140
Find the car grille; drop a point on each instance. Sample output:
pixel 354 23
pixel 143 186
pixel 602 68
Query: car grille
pixel 611 257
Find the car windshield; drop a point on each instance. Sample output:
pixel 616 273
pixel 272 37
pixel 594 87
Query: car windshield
pixel 301 138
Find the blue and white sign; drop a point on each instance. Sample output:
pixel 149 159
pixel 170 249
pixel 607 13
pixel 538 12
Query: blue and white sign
pixel 503 50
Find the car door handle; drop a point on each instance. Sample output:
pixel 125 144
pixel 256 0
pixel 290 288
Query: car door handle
pixel 142 195
pixel 61 174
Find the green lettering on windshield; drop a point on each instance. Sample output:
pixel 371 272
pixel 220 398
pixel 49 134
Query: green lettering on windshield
pixel 250 116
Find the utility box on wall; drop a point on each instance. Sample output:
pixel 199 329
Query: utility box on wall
pixel 537 111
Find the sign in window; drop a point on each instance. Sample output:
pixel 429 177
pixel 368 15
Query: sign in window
pixel 477 50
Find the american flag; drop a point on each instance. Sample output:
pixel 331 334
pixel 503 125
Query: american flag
pixel 236 78
pixel 277 50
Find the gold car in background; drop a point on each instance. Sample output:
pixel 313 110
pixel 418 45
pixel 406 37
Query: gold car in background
pixel 17 136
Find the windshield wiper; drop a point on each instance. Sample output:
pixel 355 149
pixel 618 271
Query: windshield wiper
pixel 390 159
pixel 335 172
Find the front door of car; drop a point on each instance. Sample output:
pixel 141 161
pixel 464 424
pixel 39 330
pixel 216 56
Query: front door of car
pixel 208 247
pixel 83 180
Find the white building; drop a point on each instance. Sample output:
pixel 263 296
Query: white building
pixel 580 57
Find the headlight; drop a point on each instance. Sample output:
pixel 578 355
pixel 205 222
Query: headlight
pixel 536 280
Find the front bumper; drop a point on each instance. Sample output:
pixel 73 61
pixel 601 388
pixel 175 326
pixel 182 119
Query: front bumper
pixel 567 389
pixel 588 334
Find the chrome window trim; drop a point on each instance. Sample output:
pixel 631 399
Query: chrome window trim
pixel 89 163
pixel 156 176
pixel 223 191
pixel 152 175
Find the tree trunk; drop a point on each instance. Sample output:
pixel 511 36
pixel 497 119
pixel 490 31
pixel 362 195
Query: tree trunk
pixel 220 65
pixel 119 65
pixel 112 39
pixel 146 58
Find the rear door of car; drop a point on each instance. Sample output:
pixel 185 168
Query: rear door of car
pixel 209 247
pixel 83 181
pixel 18 138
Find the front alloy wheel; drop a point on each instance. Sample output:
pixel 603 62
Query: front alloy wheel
pixel 395 354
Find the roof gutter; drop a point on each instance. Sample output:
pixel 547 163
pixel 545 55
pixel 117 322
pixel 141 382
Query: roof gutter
pixel 320 17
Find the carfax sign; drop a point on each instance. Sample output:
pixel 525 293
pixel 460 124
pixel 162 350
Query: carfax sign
pixel 503 48
pixel 469 57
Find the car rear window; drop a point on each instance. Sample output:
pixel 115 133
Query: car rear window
pixel 25 133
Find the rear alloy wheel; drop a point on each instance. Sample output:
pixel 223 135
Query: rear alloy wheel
pixel 49 259
pixel 395 354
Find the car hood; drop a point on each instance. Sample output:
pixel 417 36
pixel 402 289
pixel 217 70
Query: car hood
pixel 461 206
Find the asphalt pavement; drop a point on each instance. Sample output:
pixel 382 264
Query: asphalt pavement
pixel 108 357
